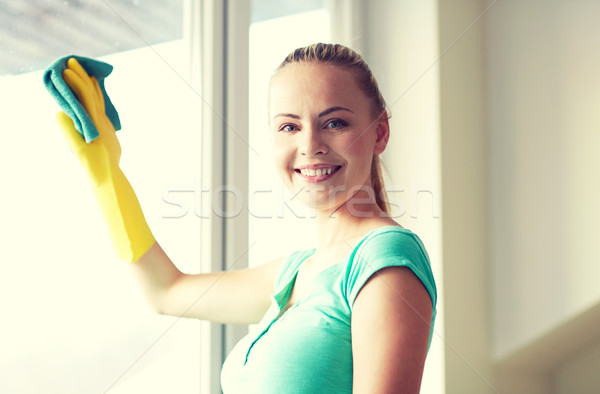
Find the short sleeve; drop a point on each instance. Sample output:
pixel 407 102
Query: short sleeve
pixel 395 247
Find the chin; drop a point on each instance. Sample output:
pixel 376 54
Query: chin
pixel 319 200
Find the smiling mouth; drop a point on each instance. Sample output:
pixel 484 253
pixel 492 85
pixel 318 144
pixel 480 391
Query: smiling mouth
pixel 316 172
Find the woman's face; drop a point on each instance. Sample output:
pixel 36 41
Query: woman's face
pixel 324 134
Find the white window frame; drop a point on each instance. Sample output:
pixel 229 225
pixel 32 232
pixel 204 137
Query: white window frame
pixel 220 29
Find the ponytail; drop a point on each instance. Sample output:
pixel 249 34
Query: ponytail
pixel 378 185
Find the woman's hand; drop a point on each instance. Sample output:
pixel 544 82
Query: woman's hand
pixel 129 233
pixel 102 155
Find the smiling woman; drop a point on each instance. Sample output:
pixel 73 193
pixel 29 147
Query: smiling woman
pixel 362 302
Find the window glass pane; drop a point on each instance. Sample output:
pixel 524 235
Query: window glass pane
pixel 74 318
pixel 38 31
pixel 262 10
pixel 272 209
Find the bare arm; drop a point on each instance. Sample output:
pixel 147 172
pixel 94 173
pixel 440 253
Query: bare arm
pixel 390 332
pixel 238 297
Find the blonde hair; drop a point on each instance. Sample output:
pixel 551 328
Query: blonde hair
pixel 346 58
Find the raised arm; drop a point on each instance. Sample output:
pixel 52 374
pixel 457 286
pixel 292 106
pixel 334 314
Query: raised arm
pixel 235 296
pixel 240 296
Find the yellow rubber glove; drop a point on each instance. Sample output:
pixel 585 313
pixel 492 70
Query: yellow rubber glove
pixel 129 232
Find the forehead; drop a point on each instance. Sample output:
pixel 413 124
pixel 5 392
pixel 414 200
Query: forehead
pixel 300 84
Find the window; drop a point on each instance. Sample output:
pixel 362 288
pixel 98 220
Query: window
pixel 74 319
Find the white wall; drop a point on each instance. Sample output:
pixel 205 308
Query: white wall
pixel 465 196
pixel 543 92
pixel 543 89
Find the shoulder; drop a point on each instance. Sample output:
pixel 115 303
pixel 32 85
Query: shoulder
pixel 388 246
pixel 390 241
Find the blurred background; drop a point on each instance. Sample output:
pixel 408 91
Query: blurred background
pixel 493 160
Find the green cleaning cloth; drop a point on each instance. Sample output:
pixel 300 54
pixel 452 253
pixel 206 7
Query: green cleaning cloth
pixel 58 88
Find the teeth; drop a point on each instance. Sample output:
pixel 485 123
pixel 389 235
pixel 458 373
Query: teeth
pixel 320 171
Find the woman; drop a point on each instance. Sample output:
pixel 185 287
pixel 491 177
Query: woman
pixel 354 314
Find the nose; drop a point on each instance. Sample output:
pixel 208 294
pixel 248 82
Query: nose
pixel 312 143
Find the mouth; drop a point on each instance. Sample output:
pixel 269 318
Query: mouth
pixel 317 174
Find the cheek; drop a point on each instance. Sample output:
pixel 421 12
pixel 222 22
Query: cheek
pixel 282 154
pixel 360 155
pixel 360 149
pixel 356 150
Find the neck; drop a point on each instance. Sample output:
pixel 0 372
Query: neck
pixel 352 219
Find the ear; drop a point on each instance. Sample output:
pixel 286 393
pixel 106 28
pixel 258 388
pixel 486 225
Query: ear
pixel 382 132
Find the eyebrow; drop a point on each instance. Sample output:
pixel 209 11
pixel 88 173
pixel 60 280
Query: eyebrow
pixel 333 109
pixel 324 113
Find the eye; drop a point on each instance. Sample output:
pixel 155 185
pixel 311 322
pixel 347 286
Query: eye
pixel 336 124
pixel 289 128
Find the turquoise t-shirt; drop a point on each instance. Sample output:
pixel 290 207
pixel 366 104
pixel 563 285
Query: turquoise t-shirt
pixel 308 348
